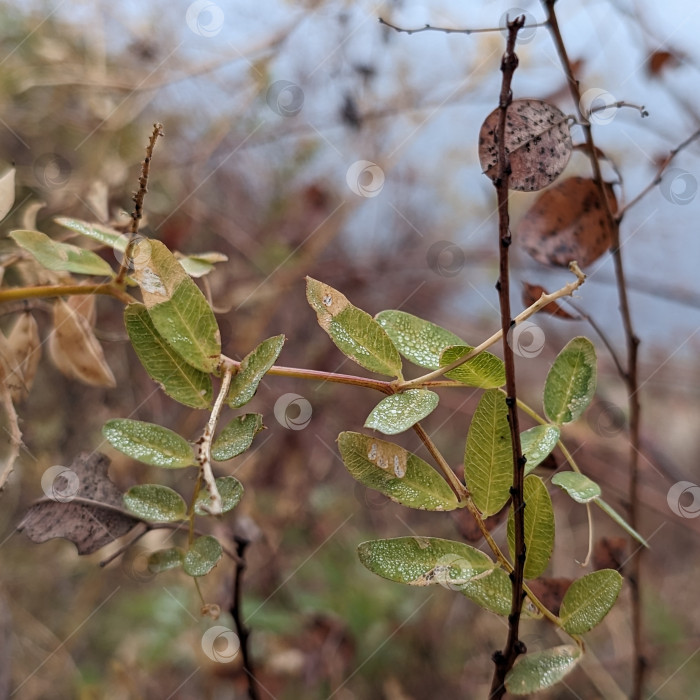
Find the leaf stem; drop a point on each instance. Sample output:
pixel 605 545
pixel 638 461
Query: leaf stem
pixel 455 484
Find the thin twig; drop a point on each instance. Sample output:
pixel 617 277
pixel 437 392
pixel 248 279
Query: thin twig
pixel 61 290
pixel 236 613
pixel 138 197
pixel 455 484
pixel 448 30
pixel 630 377
pixel 505 659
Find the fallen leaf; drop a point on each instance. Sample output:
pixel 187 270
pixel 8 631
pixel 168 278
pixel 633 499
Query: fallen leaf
pixel 568 222
pixel 82 505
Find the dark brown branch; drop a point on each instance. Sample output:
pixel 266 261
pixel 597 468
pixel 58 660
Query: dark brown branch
pixel 241 629
pixel 505 659
pixel 630 377
pixel 138 197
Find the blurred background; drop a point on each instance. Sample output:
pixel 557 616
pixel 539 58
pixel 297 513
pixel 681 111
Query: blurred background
pixel 307 139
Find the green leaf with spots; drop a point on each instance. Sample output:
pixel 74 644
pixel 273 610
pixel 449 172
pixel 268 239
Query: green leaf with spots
pixel 236 437
pixel 493 593
pixel 539 527
pixel 230 490
pixel 177 378
pixel 395 472
pixel 165 559
pixel 97 232
pixel 202 556
pixel 488 457
pixel 399 412
pixel 61 256
pixel 589 599
pixel 578 486
pixel 252 369
pixel 419 341
pixel 571 381
pixel 537 444
pixel 354 331
pixel 485 371
pixel 177 307
pixel 154 502
pixel 423 561
pixel 542 669
pixel 149 443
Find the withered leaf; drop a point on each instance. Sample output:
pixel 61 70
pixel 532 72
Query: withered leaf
pixel 21 353
pixel 568 222
pixel 550 591
pixel 88 513
pixel 532 292
pixel 538 144
pixel 74 348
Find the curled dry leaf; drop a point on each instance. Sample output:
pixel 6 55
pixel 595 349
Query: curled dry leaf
pixel 532 292
pixel 19 356
pixel 84 304
pixel 75 350
pixel 538 143
pixel 86 508
pixel 568 222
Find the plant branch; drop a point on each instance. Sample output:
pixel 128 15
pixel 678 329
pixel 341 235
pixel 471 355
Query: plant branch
pixel 446 30
pixel 138 197
pixel 455 484
pixel 236 613
pixel 630 377
pixel 505 659
pixel 204 446
pixel 60 290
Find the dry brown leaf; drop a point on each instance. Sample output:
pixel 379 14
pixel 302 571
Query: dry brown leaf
pixel 24 351
pixel 658 60
pixel 532 292
pixel 75 350
pixel 81 504
pixel 84 304
pixel 538 143
pixel 568 222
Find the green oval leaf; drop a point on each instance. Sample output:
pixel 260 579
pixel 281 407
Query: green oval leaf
pixel 149 443
pixel 399 412
pixel 485 371
pixel 155 502
pixel 165 559
pixel 589 599
pixel 202 556
pixel 423 561
pixel 488 457
pixel 395 472
pixel 176 306
pixel 230 490
pixel 98 232
pixel 61 256
pixel 537 444
pixel 200 264
pixel 578 486
pixel 419 341
pixel 252 369
pixel 539 527
pixel 236 437
pixel 493 592
pixel 571 381
pixel 176 377
pixel 354 331
pixel 542 669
